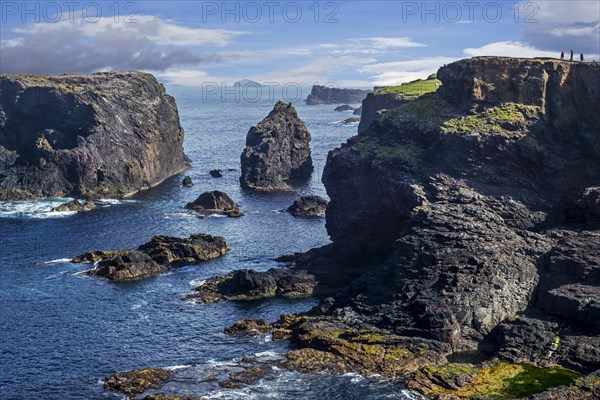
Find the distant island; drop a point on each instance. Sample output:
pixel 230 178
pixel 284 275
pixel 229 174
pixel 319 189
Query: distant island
pixel 246 82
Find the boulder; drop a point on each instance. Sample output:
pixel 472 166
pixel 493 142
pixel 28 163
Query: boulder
pixel 174 251
pixel 74 205
pixel 308 206
pixel 277 151
pixel 216 173
pixel 127 265
pixel 187 182
pixel 351 121
pixel 215 202
pixel 108 134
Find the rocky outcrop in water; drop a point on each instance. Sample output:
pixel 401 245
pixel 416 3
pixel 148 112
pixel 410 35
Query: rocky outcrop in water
pixel 187 181
pixel 154 257
pixel 466 219
pixel 138 381
pixel 215 202
pixel 277 151
pixel 100 135
pixel 331 95
pixel 244 285
pixel 75 205
pixel 344 107
pixel 308 206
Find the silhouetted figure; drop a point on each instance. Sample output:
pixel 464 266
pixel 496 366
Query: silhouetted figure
pixel 571 55
pixel 581 57
pixel 562 55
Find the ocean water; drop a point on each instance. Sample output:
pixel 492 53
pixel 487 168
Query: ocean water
pixel 61 332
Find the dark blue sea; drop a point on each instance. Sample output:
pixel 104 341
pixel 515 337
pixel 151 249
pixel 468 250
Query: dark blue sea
pixel 62 333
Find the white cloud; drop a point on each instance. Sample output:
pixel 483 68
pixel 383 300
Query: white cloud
pixel 395 73
pixel 508 49
pixel 77 45
pixel 581 31
pixel 386 42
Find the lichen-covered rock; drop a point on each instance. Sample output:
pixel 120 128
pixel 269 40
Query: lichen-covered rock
pixel 174 251
pixel 277 151
pixel 127 265
pixel 253 285
pixel 138 381
pixel 308 206
pixel 215 202
pixel 248 326
pixel 101 135
pixel 74 205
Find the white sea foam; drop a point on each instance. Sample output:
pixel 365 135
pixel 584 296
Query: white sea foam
pixel 33 208
pixel 194 282
pixel 57 261
pixel 177 367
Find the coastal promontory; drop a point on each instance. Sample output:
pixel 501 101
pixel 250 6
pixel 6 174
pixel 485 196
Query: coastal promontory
pixel 101 135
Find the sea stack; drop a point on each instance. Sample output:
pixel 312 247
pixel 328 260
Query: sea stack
pixel 277 151
pixel 100 135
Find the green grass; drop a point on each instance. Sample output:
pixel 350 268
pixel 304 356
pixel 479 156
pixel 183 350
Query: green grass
pixel 411 89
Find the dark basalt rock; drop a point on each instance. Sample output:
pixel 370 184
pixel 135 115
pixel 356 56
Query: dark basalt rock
pixel 173 251
pixel 358 111
pixel 101 135
pixel 187 182
pixel 277 151
pixel 216 173
pixel 345 107
pixel 75 205
pixel 249 326
pixel 154 257
pixel 308 206
pixel 252 285
pixel 215 202
pixel 127 265
pixel 138 381
pixel 330 95
pixel 351 121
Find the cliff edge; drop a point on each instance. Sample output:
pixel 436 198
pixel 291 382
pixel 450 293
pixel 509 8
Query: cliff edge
pixel 100 135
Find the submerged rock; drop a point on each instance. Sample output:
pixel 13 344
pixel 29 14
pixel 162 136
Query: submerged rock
pixel 215 202
pixel 74 205
pixel 252 285
pixel 308 206
pixel 107 134
pixel 138 381
pixel 187 182
pixel 277 151
pixel 127 265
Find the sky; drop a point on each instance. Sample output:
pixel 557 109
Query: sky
pixel 346 43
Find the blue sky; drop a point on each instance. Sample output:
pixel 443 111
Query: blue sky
pixel 351 43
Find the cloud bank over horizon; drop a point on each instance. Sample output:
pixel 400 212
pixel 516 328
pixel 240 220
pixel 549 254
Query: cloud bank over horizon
pixel 384 49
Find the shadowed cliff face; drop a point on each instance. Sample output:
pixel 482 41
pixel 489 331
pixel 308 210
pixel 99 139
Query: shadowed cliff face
pixel 449 209
pixel 106 134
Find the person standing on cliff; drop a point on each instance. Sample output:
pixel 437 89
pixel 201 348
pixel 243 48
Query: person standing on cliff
pixel 571 55
pixel 562 55
pixel 581 57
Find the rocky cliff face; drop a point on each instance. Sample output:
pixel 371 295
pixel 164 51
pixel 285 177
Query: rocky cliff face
pixel 468 190
pixel 277 151
pixel 105 134
pixel 329 95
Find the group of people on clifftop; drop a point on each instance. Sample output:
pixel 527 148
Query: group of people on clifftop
pixel 562 56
